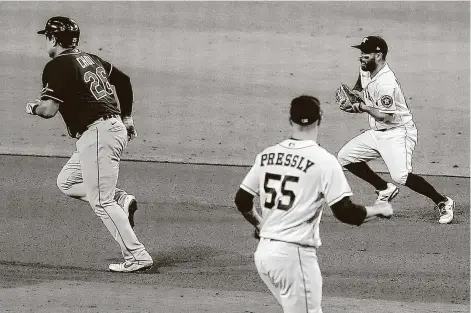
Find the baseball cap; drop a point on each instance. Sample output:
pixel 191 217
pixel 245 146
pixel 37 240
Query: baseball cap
pixel 305 110
pixel 372 44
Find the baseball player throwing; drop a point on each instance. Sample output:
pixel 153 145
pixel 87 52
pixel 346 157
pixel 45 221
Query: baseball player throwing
pixel 294 179
pixel 79 86
pixel 392 134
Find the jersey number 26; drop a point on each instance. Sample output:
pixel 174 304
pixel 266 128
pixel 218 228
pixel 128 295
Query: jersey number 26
pixel 99 85
pixel 271 192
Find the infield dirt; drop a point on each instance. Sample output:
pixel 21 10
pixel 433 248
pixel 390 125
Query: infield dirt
pixel 212 83
pixel 213 80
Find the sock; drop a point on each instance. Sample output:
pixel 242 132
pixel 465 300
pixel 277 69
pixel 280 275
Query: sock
pixel 363 171
pixel 420 185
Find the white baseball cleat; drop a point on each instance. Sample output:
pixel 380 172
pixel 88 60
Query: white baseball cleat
pixel 388 194
pixel 445 209
pixel 129 267
pixel 130 207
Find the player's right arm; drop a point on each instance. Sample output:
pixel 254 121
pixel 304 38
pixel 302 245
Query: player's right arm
pixel 337 193
pixel 52 94
pixel 247 192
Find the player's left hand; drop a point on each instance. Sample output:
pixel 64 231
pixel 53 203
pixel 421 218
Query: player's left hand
pixel 31 106
pixel 129 123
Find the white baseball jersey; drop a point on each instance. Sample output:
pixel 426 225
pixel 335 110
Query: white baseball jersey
pixel 294 179
pixel 384 92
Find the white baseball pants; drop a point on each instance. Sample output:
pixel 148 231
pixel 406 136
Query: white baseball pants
pixel 395 146
pixel 292 274
pixel 91 174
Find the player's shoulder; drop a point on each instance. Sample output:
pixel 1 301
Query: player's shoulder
pixel 324 155
pixel 58 64
pixel 94 56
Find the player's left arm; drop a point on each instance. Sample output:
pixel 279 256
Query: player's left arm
pixel 125 97
pixel 124 91
pixel 386 107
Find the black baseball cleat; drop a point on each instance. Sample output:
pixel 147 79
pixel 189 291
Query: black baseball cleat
pixel 130 207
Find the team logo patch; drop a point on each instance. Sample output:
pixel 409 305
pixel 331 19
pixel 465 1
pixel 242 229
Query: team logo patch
pixel 46 89
pixel 387 101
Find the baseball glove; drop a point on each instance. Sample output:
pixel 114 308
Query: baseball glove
pixel 347 100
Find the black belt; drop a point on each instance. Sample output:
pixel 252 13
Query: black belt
pixel 107 117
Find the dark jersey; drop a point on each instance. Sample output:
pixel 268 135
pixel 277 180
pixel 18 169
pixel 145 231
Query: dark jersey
pixel 79 81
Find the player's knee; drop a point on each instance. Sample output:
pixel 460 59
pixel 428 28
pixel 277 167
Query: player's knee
pixel 343 158
pixel 62 184
pixel 400 177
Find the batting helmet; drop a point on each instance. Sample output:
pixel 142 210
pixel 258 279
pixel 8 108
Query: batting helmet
pixel 64 29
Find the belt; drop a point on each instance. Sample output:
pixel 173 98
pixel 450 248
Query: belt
pixel 102 118
pixel 288 243
pixel 107 117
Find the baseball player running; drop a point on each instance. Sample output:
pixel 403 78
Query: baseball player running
pixel 392 134
pixel 294 179
pixel 79 86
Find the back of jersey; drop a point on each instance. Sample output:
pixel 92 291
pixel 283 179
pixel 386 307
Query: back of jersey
pixel 294 179
pixel 79 81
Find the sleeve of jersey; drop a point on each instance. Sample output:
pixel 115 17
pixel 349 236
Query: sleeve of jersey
pixel 334 182
pixel 250 182
pixel 54 84
pixel 385 98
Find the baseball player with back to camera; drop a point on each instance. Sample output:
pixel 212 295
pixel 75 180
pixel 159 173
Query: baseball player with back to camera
pixel 79 85
pixel 293 180
pixel 392 134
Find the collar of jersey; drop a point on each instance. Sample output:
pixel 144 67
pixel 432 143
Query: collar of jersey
pixel 385 69
pixel 298 143
pixel 69 51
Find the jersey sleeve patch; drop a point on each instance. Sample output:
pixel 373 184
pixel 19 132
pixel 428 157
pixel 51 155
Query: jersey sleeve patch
pixel 386 101
pixel 48 93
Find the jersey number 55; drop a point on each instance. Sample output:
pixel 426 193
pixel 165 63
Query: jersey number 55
pixel 272 198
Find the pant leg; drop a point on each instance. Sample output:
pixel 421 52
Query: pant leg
pixel 259 257
pixel 70 181
pixel 100 149
pixel 396 147
pixel 362 148
pixel 292 274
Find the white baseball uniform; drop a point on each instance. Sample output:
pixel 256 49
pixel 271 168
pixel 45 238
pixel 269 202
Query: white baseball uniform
pixel 293 179
pixel 393 141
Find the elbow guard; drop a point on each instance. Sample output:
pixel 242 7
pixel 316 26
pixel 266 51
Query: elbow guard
pixel 243 201
pixel 348 212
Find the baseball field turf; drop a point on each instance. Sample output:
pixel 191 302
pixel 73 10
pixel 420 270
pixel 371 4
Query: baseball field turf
pixel 212 84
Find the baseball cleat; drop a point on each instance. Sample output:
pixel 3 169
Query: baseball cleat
pixel 130 207
pixel 445 209
pixel 129 267
pixel 388 194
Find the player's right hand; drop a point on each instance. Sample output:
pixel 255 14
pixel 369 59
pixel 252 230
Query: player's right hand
pixel 129 123
pixel 31 106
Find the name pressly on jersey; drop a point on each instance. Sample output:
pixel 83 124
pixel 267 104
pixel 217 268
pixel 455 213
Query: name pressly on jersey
pixel 286 159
